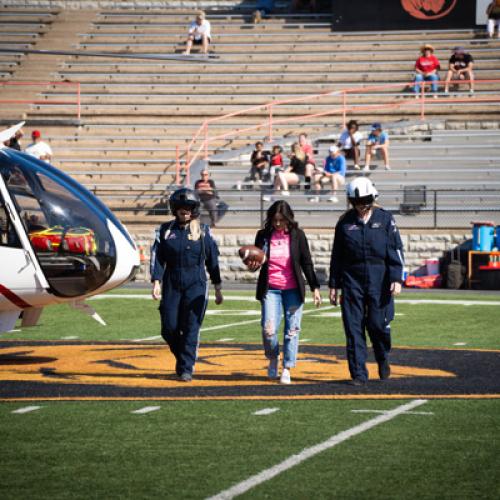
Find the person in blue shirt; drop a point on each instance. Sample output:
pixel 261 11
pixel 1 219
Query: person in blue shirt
pixel 182 250
pixel 333 173
pixel 366 272
pixel 378 144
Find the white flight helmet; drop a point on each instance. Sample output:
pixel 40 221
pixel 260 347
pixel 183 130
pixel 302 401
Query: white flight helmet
pixel 361 190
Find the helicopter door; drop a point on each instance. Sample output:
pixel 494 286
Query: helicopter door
pixel 22 278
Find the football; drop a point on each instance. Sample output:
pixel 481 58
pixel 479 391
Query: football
pixel 251 253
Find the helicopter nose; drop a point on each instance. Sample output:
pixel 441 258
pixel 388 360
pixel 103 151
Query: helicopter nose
pixel 127 259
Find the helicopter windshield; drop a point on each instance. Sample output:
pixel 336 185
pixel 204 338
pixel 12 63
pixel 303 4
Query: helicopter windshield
pixel 67 227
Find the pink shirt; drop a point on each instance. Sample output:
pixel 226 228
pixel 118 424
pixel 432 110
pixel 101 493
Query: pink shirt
pixel 308 150
pixel 280 262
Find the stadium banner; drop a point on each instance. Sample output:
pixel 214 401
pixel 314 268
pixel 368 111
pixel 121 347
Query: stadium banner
pixel 386 15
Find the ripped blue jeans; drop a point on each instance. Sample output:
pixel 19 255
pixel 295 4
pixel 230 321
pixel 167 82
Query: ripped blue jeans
pixel 276 303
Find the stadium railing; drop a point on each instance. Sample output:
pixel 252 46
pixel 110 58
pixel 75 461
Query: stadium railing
pixel 197 148
pixel 415 207
pixel 43 85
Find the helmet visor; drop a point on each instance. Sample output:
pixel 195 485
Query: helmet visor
pixel 363 200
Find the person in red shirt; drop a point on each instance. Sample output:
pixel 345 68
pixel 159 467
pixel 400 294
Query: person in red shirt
pixel 426 69
pixel 276 163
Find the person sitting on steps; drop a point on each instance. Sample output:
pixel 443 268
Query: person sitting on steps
pixel 198 34
pixel 378 144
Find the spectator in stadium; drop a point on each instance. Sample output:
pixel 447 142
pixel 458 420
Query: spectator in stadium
pixel 260 163
pixel 206 191
pixel 333 173
pixel 38 148
pixel 460 68
pixel 182 250
pixel 281 286
pixel 264 8
pixel 426 69
pixel 15 141
pixel 349 142
pixel 307 148
pixel 295 173
pixel 199 33
pixel 493 13
pixel 366 267
pixel 378 144
pixel 276 162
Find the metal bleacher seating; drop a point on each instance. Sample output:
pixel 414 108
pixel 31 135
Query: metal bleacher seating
pixel 135 112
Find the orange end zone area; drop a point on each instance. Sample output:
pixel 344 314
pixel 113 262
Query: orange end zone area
pixel 100 371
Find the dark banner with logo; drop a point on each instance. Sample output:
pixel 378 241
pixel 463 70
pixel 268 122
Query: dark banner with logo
pixel 376 15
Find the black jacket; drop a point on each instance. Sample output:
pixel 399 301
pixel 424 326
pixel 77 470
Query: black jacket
pixel 301 259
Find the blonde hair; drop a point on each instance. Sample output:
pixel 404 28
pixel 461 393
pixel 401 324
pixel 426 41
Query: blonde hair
pixel 200 15
pixel 194 230
pixel 297 151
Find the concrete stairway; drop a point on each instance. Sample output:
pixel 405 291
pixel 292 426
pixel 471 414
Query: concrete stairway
pixel 134 113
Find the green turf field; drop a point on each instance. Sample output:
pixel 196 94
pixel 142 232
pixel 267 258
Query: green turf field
pixel 196 449
pixel 419 324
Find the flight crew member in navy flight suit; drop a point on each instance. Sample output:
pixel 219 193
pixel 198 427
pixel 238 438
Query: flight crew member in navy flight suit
pixel 367 269
pixel 182 250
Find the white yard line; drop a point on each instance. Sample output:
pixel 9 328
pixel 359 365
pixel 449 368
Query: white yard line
pixel 229 325
pixel 449 302
pixel 70 337
pixel 460 343
pixel 147 339
pixel 224 340
pixel 233 312
pixel 303 341
pixel 383 412
pixel 266 411
pixel 292 461
pixel 146 409
pixel 26 409
pixel 251 298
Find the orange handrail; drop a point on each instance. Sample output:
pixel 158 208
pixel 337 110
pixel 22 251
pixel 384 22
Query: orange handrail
pixel 77 102
pixel 343 109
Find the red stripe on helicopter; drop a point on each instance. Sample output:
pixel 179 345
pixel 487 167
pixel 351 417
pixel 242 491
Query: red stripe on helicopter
pixel 15 299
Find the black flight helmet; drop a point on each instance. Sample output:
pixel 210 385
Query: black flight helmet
pixel 185 198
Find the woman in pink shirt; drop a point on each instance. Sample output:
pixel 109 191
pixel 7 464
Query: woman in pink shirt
pixel 281 285
pixel 426 70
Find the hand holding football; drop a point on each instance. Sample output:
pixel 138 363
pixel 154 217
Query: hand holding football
pixel 253 257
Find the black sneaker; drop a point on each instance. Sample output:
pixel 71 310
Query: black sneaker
pixel 186 377
pixel 384 370
pixel 358 382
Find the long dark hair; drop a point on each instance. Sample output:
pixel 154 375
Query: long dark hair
pixel 285 210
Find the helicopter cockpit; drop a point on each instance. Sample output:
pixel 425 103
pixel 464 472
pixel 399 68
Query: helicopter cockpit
pixel 68 228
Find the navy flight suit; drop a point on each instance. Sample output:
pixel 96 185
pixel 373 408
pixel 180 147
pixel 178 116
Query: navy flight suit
pixel 366 259
pixel 179 263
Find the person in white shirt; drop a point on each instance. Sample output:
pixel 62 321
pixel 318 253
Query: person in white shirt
pixel 198 34
pixel 349 142
pixel 38 148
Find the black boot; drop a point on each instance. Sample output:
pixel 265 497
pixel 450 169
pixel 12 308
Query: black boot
pixel 384 369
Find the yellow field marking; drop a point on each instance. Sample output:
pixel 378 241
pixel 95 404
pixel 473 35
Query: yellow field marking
pixel 152 366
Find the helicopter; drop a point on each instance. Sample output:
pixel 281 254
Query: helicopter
pixel 58 242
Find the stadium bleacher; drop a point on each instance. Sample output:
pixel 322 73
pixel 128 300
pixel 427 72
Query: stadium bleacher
pixel 134 113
